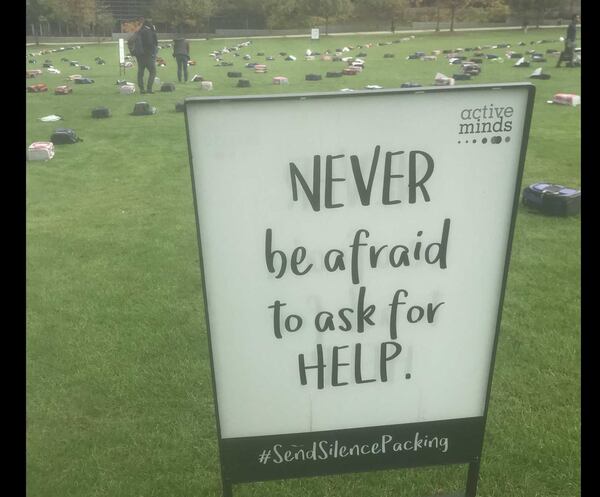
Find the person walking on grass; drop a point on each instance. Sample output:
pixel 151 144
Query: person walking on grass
pixel 146 56
pixel 568 53
pixel 181 52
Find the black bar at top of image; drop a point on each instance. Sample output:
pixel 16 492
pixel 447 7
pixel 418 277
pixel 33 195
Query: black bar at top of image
pixel 262 458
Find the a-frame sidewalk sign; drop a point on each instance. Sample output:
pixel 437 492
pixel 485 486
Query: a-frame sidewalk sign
pixel 354 249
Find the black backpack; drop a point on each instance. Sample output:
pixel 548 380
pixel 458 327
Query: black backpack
pixel 143 109
pixel 135 44
pixel 63 136
pixel 99 112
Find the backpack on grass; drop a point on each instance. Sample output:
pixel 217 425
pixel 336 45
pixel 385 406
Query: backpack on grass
pixel 143 109
pixel 566 99
pixel 127 89
pixel 62 136
pixel 37 88
pixel 100 112
pixel 551 199
pixel 40 151
pixel 63 90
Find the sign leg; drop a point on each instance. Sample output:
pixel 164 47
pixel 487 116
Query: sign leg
pixel 227 489
pixel 472 479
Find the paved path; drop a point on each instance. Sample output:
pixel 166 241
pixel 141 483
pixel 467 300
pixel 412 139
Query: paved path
pixel 407 31
pixel 307 35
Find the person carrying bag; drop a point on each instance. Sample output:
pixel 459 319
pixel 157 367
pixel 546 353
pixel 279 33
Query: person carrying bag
pixel 568 54
pixel 181 52
pixel 143 45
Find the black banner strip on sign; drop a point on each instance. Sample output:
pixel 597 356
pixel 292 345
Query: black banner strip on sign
pixel 293 455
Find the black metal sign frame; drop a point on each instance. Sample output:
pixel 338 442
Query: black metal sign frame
pixel 326 452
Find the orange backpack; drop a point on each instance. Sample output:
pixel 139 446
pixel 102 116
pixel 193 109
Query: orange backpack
pixel 37 88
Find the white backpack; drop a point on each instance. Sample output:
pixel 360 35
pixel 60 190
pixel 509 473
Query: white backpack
pixel 40 151
pixel 127 89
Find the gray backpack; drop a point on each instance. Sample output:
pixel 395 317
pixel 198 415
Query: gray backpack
pixel 143 109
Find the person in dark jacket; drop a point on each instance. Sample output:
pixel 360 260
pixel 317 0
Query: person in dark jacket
pixel 568 53
pixel 147 59
pixel 181 52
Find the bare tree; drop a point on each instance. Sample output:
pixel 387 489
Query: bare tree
pixel 455 6
pixel 105 21
pixel 182 14
pixel 34 11
pixel 79 14
pixel 329 8
pixel 391 10
pixel 537 9
pixel 542 8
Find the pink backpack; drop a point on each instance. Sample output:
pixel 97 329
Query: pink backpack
pixel 40 151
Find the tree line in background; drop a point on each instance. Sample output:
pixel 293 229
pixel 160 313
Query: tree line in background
pixel 94 17
pixel 69 17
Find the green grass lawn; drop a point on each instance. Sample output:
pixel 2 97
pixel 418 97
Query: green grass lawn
pixel 119 396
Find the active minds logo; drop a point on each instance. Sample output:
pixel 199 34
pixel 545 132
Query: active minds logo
pixel 491 121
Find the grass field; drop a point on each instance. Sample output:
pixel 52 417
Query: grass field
pixel 119 397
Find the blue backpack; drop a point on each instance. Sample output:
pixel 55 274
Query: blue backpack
pixel 552 199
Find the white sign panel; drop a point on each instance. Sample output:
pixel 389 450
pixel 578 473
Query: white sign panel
pixel 314 34
pixel 354 250
pixel 121 51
